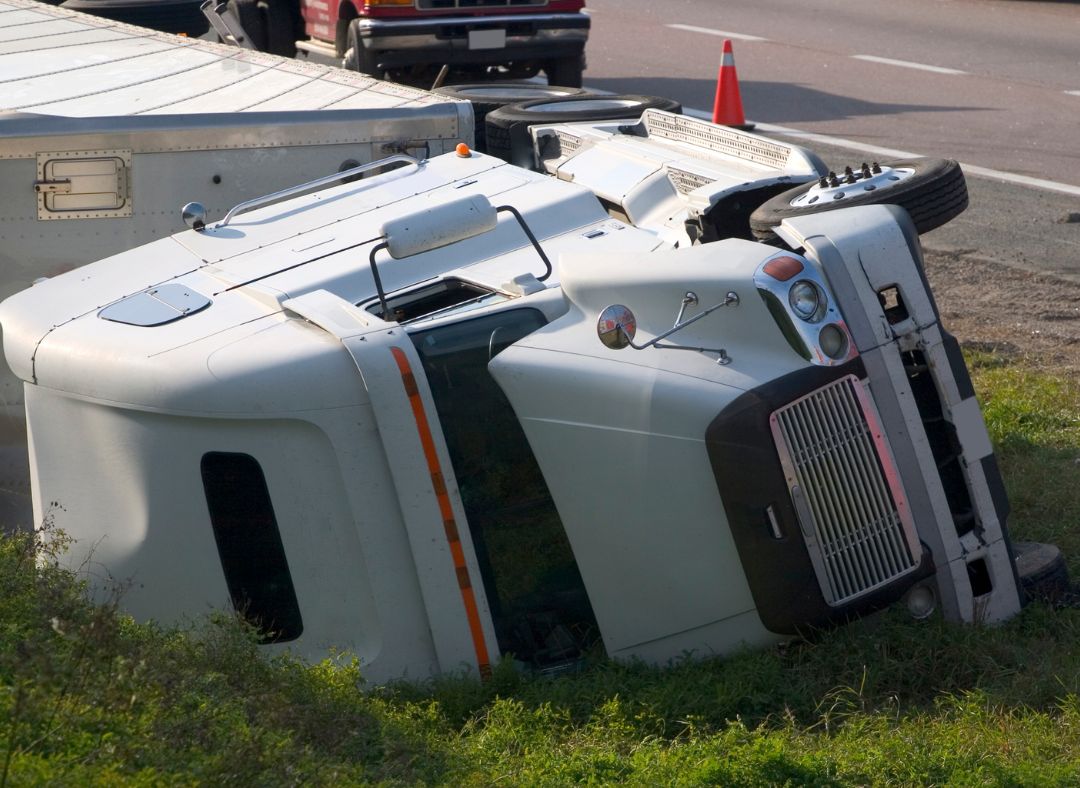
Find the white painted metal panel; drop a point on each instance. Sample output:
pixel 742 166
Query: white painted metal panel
pixel 315 92
pixel 146 66
pixel 52 30
pixel 236 84
pixel 210 83
pixel 84 64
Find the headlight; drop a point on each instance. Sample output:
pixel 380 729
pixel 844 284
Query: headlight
pixel 807 301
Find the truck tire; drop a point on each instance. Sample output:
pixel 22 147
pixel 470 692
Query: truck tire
pixel 357 57
pixel 507 128
pixel 252 19
pixel 168 16
pixel 933 191
pixel 487 97
pixel 568 71
pixel 281 23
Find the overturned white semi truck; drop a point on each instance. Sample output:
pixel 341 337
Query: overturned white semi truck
pixel 462 409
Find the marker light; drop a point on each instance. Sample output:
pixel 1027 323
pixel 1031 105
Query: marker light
pixel 783 268
pixel 462 150
pixel 833 341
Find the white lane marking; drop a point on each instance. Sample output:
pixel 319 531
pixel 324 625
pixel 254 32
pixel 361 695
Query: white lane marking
pixel 892 153
pixel 1072 92
pixel 1023 180
pixel 722 33
pixel 907 64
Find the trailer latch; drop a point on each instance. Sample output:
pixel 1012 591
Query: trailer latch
pixel 53 187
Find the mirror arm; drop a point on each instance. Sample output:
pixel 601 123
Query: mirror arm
pixel 378 281
pixel 732 299
pixel 532 238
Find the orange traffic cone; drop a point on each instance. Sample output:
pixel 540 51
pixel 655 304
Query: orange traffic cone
pixel 727 110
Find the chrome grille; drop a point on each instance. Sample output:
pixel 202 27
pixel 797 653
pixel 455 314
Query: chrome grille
pixel 845 489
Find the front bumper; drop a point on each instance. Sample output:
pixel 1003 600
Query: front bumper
pixel 462 39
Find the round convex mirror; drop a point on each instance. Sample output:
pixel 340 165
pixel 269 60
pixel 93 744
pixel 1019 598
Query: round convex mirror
pixel 194 215
pixel 616 326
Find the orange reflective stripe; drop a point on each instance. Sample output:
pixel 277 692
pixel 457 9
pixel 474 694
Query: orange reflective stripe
pixel 472 612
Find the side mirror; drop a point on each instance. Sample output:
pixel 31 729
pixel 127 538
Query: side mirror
pixel 616 326
pixel 194 215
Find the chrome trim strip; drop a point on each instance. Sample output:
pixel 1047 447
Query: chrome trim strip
pixel 566 20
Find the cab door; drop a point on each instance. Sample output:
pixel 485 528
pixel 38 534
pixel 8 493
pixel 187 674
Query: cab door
pixel 496 569
pixel 430 508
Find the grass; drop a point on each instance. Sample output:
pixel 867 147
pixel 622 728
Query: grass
pixel 88 697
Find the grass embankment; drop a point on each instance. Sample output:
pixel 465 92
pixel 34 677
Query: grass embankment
pixel 87 697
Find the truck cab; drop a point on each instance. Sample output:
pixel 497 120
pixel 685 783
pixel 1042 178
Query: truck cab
pixel 407 38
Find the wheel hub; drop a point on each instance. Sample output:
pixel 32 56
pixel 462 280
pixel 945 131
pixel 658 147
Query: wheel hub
pixel 852 183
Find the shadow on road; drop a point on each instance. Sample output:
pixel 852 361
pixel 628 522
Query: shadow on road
pixel 765 102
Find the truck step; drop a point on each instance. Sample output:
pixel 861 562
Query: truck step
pixel 313 47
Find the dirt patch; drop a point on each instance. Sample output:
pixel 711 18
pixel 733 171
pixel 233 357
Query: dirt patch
pixel 1033 317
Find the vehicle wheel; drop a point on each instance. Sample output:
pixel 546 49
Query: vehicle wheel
pixel 281 19
pixel 567 71
pixel 1043 572
pixel 487 97
pixel 252 19
pixel 168 16
pixel 933 191
pixel 357 57
pixel 507 128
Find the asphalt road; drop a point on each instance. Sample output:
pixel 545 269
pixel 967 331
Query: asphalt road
pixel 992 83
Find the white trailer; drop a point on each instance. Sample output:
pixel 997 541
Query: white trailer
pixel 106 130
pixel 463 410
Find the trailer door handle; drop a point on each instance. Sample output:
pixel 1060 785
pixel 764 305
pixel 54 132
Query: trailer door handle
pixel 62 186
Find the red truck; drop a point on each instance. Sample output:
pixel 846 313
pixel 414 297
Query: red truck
pixel 412 38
